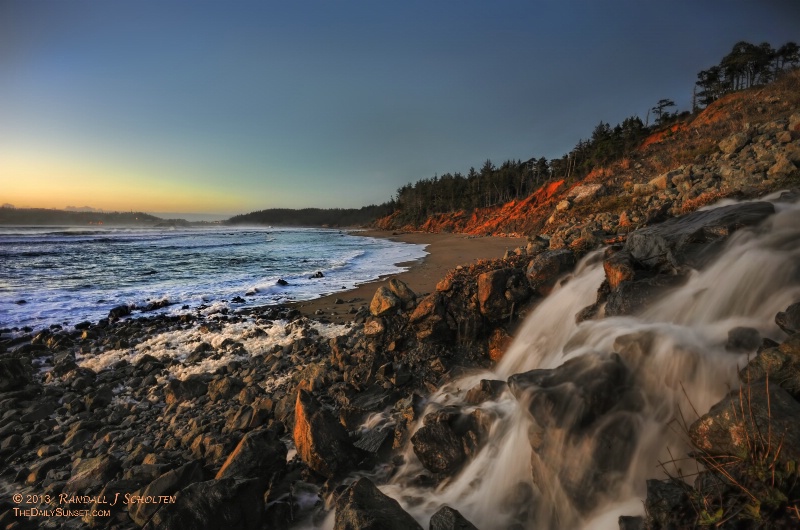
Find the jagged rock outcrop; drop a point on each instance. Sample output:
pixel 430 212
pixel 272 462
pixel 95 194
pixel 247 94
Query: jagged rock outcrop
pixel 362 506
pixel 321 441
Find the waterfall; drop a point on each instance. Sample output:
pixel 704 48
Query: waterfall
pixel 677 364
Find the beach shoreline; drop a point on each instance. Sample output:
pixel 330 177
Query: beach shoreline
pixel 445 252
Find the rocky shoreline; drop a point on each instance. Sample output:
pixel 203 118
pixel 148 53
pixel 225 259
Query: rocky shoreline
pixel 263 418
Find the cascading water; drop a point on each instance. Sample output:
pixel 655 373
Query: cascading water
pixel 612 396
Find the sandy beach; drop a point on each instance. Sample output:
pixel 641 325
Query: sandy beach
pixel 445 252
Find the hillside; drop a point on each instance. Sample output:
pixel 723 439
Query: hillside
pixel 738 146
pixel 43 216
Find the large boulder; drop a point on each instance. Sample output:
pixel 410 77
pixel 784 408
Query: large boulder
pixel 321 441
pixel 691 240
pixel 733 143
pixel 741 420
pixel 384 302
pixel 192 387
pixel 545 268
pixel 575 394
pixel 447 439
pixel 213 505
pixel 363 507
pixel 259 454
pixel 789 320
pixel 406 296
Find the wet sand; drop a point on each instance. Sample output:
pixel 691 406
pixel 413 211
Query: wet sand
pixel 445 252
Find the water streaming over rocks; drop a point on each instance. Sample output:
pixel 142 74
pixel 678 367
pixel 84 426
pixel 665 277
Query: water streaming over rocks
pixel 593 409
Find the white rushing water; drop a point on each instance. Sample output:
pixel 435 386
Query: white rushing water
pixel 679 364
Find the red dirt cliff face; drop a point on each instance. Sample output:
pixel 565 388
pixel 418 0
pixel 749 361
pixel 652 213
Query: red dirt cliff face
pixel 512 218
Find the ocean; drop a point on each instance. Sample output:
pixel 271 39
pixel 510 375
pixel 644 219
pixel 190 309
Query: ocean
pixel 66 275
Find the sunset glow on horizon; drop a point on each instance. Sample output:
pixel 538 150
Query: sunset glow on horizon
pixel 185 107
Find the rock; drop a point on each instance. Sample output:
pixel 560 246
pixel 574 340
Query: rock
pixel 213 505
pixel 668 505
pixel 192 387
pixel 259 454
pixel 563 206
pixel 499 341
pixel 780 365
pixel 486 390
pixel 316 275
pixel 118 312
pixel 14 374
pixel 618 266
pixel 363 507
pixel 574 395
pixel 168 483
pixel 789 320
pixel 739 420
pixel 91 474
pixel 743 339
pixel 630 297
pixel 447 518
pixel 491 294
pixel 586 192
pixel 281 282
pixel 384 302
pixel 629 522
pixel 407 297
pixel 544 269
pixel 374 327
pixel 694 238
pixel 446 439
pixel 733 143
pixel 783 167
pixel 428 319
pixel 321 441
pixel 224 388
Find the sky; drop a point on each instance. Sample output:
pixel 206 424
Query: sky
pixel 230 107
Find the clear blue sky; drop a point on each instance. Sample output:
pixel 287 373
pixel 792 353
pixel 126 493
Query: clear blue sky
pixel 229 107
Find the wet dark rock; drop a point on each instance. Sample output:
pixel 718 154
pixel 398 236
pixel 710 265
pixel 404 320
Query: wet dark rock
pixel 576 393
pixel 629 522
pixel 780 365
pixel 631 297
pixel 743 339
pixel 691 240
pixel 118 312
pixel 281 282
pixel 667 505
pixel 213 505
pixel 168 483
pixel 259 454
pixel 486 390
pixel 363 507
pixel 545 269
pixel 789 320
pixel 447 518
pixel 316 275
pixel 14 374
pixel 376 440
pixel 321 441
pixel 158 304
pixel 732 425
pixel 447 439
